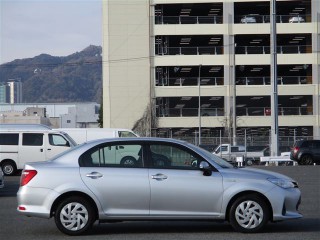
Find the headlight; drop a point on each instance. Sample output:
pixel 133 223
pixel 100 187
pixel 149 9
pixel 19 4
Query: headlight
pixel 284 183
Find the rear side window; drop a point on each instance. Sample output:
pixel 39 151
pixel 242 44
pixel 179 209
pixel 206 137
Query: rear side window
pixel 122 155
pixel 305 144
pixel 315 144
pixel 9 138
pixel 32 139
pixel 126 134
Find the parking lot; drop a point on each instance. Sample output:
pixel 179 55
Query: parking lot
pixel 15 226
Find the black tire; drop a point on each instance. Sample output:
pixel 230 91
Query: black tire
pixel 9 168
pixel 128 161
pixel 74 216
pixel 306 160
pixel 249 162
pixel 249 214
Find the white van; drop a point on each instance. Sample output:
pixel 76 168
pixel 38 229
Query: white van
pixel 81 135
pixel 25 143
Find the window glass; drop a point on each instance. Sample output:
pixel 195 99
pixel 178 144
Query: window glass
pixel 9 139
pixel 57 140
pixel 124 155
pixel 32 139
pixel 217 150
pixel 224 148
pixel 234 149
pixel 166 156
pixel 305 144
pixel 126 134
pixel 317 145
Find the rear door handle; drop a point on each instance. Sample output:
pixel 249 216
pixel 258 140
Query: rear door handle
pixel 159 177
pixel 94 175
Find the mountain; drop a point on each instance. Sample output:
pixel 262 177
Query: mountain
pixel 46 78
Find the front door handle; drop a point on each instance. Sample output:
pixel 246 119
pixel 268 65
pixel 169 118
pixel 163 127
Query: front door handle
pixel 159 177
pixel 94 175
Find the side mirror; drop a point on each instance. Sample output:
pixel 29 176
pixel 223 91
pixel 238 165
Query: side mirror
pixel 205 168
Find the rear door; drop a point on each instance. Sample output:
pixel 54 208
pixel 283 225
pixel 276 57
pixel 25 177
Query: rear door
pixel 31 148
pixel 121 189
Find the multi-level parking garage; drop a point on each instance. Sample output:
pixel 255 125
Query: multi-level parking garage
pixel 207 55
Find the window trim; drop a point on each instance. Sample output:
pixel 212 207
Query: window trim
pixel 146 159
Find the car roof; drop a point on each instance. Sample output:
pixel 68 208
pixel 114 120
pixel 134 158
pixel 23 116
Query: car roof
pixel 134 139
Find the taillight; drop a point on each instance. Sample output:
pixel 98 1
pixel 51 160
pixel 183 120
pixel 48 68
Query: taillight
pixel 26 176
pixel 295 151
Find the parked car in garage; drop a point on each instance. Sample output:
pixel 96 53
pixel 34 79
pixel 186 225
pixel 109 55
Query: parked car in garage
pixel 296 19
pixel 306 152
pixel 170 180
pixel 248 19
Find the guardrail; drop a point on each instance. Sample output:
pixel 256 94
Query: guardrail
pixel 188 19
pixel 189 50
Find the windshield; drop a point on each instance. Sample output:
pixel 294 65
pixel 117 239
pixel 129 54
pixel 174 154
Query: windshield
pixel 70 139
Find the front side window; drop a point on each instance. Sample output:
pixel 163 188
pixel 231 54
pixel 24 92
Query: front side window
pixel 122 155
pixel 58 140
pixel 167 156
pixel 9 138
pixel 32 139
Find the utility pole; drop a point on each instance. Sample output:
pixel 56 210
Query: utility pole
pixel 234 109
pixel 199 110
pixel 274 95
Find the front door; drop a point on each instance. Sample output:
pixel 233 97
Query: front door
pixel 55 144
pixel 178 187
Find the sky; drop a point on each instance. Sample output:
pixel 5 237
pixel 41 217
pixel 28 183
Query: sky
pixel 29 28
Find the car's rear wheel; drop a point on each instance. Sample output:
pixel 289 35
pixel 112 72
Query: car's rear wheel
pixel 249 214
pixel 131 161
pixel 74 216
pixel 306 160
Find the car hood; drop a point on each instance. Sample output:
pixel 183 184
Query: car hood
pixel 251 173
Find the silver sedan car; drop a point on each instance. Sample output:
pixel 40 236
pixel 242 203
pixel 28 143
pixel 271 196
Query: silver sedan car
pixel 111 180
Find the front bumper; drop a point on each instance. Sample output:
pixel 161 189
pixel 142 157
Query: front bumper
pixel 285 203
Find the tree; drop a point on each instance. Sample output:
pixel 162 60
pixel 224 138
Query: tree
pixel 100 117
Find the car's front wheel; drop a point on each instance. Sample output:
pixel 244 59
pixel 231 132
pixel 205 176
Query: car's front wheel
pixel 249 214
pixel 74 216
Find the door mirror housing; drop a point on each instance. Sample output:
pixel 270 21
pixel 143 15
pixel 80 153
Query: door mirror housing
pixel 205 168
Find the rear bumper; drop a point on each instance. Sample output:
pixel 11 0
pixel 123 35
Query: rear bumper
pixel 35 202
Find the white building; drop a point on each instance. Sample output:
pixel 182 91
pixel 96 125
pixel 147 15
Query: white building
pixel 55 115
pixel 155 52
